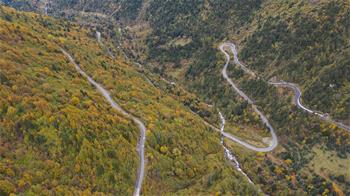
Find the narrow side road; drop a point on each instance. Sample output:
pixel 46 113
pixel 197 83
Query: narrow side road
pixel 255 108
pixel 141 126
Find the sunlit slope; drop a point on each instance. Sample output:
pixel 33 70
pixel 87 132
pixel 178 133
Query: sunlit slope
pixel 58 135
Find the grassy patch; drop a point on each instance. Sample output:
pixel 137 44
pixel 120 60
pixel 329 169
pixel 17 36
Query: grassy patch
pixel 326 163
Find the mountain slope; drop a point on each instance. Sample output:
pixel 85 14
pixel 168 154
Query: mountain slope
pixel 304 42
pixel 301 42
pixel 52 118
pixel 307 44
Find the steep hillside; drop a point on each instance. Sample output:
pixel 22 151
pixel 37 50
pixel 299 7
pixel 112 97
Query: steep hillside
pixel 57 132
pixel 304 42
pixel 60 136
pixel 301 42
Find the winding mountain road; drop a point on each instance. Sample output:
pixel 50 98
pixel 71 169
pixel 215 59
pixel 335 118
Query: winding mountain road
pixel 297 97
pixel 292 86
pixel 236 60
pixel 274 142
pixel 141 126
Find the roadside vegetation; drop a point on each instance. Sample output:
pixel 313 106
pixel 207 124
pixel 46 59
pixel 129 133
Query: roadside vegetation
pixel 305 42
pixel 301 42
pixel 59 136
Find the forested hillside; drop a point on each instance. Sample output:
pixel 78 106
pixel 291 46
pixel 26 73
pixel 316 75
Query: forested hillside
pixel 303 42
pixel 306 43
pixel 59 135
pixel 54 135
